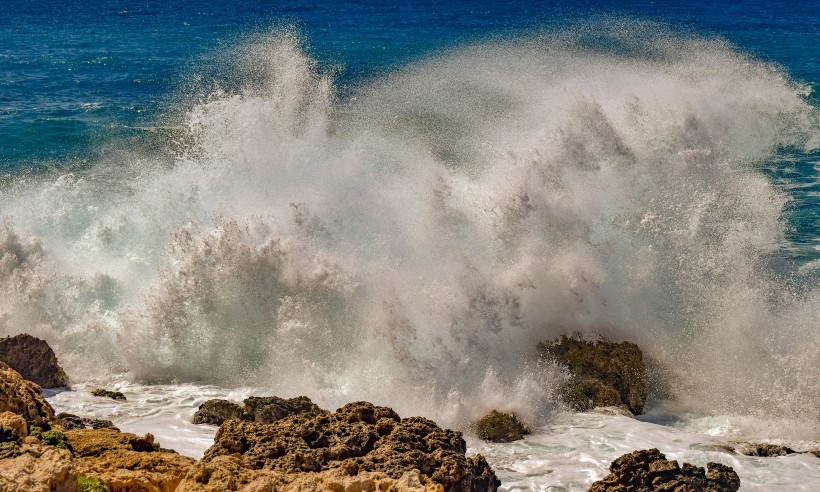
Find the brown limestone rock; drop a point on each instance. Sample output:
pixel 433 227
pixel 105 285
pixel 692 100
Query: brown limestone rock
pixel 763 450
pixel 125 461
pixel 22 397
pixel 38 469
pixel 617 365
pixel 358 438
pixel 648 470
pixel 500 427
pixel 33 359
pixel 13 427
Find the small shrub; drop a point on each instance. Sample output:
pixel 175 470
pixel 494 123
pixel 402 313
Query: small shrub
pixel 90 484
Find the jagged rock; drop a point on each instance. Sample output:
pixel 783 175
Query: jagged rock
pixel 359 438
pixel 585 394
pixel 500 427
pixel 763 450
pixel 33 359
pixel 38 469
pixel 125 461
pixel 73 422
pixel 217 475
pixel 648 470
pixel 104 393
pixel 618 366
pixel 268 409
pixel 13 427
pixel 22 397
pixel 214 412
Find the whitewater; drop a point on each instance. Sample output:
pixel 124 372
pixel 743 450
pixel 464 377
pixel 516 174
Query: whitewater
pixel 409 240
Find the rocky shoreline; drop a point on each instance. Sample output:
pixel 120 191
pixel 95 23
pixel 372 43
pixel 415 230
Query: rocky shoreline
pixel 272 443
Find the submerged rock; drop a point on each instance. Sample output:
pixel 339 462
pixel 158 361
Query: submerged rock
pixel 361 441
pixel 22 397
pixel 604 373
pixel 763 450
pixel 33 359
pixel 104 393
pixel 648 470
pixel 266 410
pixel 500 427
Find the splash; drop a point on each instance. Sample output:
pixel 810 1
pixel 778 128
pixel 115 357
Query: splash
pixel 411 242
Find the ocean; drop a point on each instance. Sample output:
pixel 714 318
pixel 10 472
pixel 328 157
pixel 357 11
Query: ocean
pixel 396 203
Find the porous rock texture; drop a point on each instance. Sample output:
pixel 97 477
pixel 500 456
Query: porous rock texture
pixel 500 427
pixel 360 440
pixel 127 462
pixel 648 470
pixel 604 373
pixel 263 409
pixel 33 359
pixel 22 397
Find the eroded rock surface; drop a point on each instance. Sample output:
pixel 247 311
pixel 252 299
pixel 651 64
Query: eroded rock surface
pixel 22 397
pixel 604 373
pixel 648 470
pixel 104 393
pixel 500 427
pixel 33 359
pixel 263 409
pixel 357 438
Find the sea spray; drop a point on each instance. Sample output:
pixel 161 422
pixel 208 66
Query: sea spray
pixel 410 242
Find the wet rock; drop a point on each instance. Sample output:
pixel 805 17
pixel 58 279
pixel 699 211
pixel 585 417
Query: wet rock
pixel 104 393
pixel 648 470
pixel 585 394
pixel 763 450
pixel 22 397
pixel 72 422
pixel 266 409
pixel 500 427
pixel 601 369
pixel 356 441
pixel 214 412
pixel 269 409
pixel 33 359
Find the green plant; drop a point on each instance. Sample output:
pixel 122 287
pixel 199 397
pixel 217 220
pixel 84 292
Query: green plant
pixel 90 484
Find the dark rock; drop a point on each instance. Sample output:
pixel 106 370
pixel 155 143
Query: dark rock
pixel 617 365
pixel 214 412
pixel 585 394
pixel 33 359
pixel 265 410
pixel 269 409
pixel 73 422
pixel 359 437
pixel 500 427
pixel 104 393
pixel 764 450
pixel 648 470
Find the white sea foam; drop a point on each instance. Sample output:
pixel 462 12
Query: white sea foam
pixel 410 243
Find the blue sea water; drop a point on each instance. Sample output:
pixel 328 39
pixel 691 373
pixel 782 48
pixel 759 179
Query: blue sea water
pixel 77 77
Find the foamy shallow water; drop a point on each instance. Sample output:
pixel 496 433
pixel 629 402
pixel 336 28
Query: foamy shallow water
pixel 566 455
